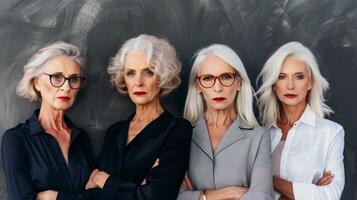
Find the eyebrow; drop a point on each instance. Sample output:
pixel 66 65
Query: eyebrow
pixel 294 73
pixel 146 68
pixel 61 73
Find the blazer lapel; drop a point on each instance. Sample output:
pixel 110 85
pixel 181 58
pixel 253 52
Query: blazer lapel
pixel 201 138
pixel 153 129
pixel 233 135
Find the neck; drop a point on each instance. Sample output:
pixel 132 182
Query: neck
pixel 148 112
pixel 290 114
pixel 220 118
pixel 52 120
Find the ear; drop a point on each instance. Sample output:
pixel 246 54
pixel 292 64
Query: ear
pixel 36 84
pixel 198 88
pixel 311 84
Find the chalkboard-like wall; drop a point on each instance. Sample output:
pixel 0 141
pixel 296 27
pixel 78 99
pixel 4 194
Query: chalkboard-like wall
pixel 254 28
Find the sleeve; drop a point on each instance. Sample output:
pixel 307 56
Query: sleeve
pixel 261 185
pixel 16 167
pixel 163 181
pixel 88 154
pixel 188 194
pixel 334 164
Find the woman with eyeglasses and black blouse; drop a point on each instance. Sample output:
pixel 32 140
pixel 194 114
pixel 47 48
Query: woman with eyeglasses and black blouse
pixel 48 157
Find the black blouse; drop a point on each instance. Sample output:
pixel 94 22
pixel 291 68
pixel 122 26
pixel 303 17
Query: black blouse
pixel 33 162
pixel 167 138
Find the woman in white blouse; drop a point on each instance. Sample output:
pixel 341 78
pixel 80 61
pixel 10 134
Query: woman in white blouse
pixel 307 150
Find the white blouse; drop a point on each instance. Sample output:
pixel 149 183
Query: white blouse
pixel 313 146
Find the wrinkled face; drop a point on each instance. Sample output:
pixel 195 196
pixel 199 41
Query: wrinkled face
pixel 218 83
pixel 60 97
pixel 293 83
pixel 140 79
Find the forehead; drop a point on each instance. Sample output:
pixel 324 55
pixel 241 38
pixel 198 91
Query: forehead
pixel 62 64
pixel 214 65
pixel 136 60
pixel 293 65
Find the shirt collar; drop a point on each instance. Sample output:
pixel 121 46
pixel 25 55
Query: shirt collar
pixel 35 126
pixel 308 117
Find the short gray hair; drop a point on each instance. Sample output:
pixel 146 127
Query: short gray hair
pixel 269 106
pixel 160 54
pixel 35 66
pixel 194 106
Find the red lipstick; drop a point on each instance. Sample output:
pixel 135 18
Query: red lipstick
pixel 219 99
pixel 64 98
pixel 290 95
pixel 139 93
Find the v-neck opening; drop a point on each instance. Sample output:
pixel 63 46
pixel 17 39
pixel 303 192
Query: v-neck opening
pixel 149 126
pixel 213 151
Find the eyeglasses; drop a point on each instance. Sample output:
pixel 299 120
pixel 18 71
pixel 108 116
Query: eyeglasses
pixel 57 80
pixel 208 80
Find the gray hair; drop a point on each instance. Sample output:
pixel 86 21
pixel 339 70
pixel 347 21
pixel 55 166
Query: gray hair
pixel 160 54
pixel 35 66
pixel 194 106
pixel 269 106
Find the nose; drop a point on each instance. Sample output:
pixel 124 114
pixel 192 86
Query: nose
pixel 65 86
pixel 291 83
pixel 139 80
pixel 217 86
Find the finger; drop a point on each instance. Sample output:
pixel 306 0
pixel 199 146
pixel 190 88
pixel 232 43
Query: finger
pixel 188 181
pixel 324 180
pixel 327 181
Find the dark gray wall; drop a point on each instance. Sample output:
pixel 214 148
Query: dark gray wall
pixel 254 28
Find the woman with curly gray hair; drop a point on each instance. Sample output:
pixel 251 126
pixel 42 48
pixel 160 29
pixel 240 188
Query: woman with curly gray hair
pixel 48 157
pixel 141 153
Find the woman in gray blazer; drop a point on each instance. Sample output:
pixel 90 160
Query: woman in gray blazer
pixel 230 153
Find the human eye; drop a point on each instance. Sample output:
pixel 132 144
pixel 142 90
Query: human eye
pixel 227 76
pixel 300 76
pixel 207 78
pixel 130 73
pixel 149 72
pixel 281 76
pixel 74 79
pixel 57 78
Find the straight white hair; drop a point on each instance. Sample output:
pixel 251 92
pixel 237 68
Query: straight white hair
pixel 195 106
pixel 35 66
pixel 269 105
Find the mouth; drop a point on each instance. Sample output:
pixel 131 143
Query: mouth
pixel 290 95
pixel 64 98
pixel 219 99
pixel 139 93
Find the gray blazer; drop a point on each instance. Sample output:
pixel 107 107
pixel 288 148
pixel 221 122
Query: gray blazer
pixel 242 158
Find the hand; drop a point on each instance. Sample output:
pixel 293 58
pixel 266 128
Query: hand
pixel 187 183
pixel 227 193
pixel 100 178
pixel 154 165
pixel 326 179
pixel 91 184
pixel 47 195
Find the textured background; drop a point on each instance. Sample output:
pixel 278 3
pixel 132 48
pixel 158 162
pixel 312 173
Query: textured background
pixel 254 28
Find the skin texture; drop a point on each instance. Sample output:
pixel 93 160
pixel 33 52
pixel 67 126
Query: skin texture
pixel 219 117
pixel 52 110
pixel 139 76
pixel 294 79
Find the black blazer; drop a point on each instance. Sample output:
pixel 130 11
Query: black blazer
pixel 167 138
pixel 33 162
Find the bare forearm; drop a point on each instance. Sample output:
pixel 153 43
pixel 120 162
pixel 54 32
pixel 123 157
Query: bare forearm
pixel 284 187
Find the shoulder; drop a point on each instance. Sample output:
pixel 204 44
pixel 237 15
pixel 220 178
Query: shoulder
pixel 329 127
pixel 115 127
pixel 179 122
pixel 13 137
pixel 256 131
